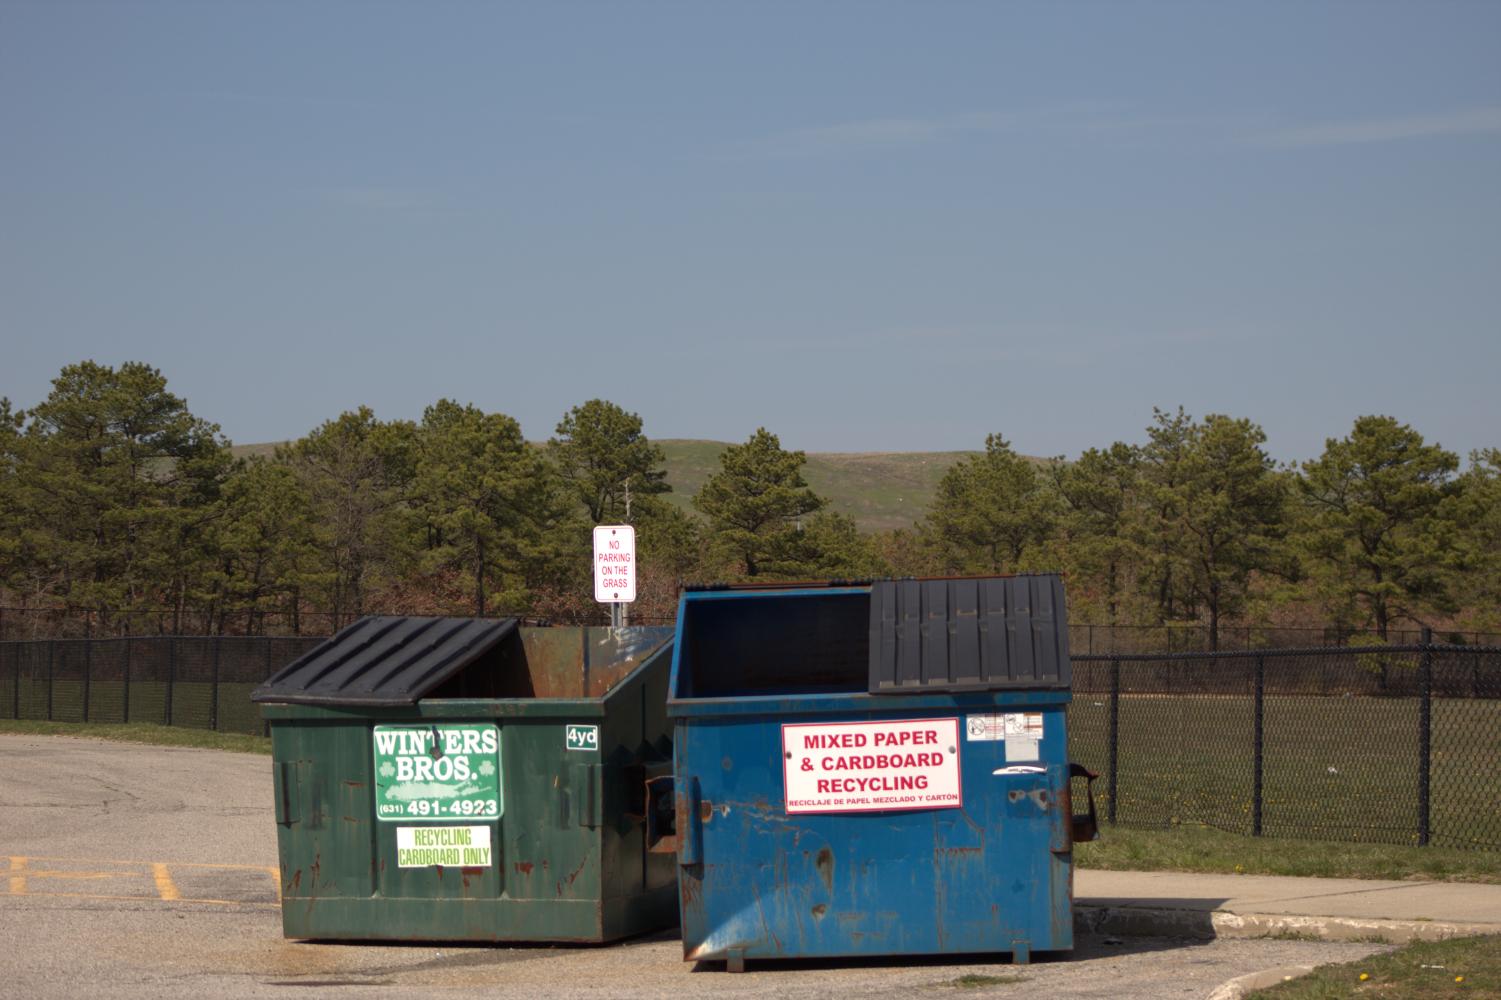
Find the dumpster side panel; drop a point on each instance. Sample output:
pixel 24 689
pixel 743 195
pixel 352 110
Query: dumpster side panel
pixel 325 818
pixel 989 876
pixel 635 743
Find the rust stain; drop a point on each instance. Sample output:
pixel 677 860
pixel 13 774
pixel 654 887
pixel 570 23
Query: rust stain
pixel 825 865
pixel 296 881
pixel 354 784
pixel 960 852
pixel 524 867
pixel 690 893
pixel 350 819
pixel 568 879
pixel 819 909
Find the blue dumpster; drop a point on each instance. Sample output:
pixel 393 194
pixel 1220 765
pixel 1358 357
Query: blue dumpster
pixel 871 770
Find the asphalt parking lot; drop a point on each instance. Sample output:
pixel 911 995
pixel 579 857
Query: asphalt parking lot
pixel 136 871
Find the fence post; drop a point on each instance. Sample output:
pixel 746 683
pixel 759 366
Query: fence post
pixel 1115 733
pixel 15 695
pixel 213 691
pixel 171 672
pixel 125 698
pixel 51 650
pixel 1258 741
pixel 1425 734
pixel 266 723
pixel 88 671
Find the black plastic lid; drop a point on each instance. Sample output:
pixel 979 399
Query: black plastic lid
pixel 384 661
pixel 981 634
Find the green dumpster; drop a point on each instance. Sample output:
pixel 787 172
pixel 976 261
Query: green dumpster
pixel 455 779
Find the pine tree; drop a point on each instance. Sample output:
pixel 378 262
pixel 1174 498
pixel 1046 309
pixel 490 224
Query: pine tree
pixel 755 502
pixel 1373 530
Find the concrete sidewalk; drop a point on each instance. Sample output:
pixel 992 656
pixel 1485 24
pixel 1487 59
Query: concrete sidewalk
pixel 1330 909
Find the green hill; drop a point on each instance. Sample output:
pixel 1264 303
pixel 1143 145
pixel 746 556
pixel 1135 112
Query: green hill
pixel 879 489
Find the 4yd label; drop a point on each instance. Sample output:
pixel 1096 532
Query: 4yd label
pixel 581 737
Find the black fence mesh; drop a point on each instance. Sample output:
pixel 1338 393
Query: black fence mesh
pixel 196 681
pixel 22 623
pixel 1398 745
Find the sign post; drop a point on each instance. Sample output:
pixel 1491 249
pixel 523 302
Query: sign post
pixel 615 568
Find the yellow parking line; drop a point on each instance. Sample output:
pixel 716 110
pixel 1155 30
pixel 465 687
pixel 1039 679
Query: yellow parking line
pixel 276 880
pixel 165 887
pixel 35 874
pixel 147 899
pixel 17 881
pixel 174 864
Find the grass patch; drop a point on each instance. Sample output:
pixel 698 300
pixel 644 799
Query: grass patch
pixel 1423 970
pixel 975 981
pixel 141 732
pixel 1200 849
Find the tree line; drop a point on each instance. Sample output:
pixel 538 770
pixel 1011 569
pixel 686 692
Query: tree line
pixel 114 496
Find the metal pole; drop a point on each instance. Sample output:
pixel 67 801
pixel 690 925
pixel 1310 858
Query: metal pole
pixel 213 695
pixel 1115 733
pixel 88 671
pixel 51 650
pixel 15 695
pixel 125 703
pixel 266 725
pixel 171 673
pixel 1425 735
pixel 1258 741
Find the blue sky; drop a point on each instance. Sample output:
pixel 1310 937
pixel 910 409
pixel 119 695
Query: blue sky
pixel 865 226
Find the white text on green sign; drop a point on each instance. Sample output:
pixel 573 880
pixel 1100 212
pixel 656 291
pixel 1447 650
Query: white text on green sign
pixel 437 771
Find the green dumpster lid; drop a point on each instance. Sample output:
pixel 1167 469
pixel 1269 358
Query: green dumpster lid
pixel 384 660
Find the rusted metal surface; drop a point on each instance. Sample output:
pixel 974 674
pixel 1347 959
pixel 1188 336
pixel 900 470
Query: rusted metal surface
pixel 993 876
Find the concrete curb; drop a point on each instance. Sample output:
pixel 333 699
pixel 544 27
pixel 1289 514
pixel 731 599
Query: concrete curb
pixel 1238 987
pixel 1146 921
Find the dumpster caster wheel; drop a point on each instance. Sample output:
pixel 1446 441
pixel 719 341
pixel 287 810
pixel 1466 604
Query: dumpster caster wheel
pixel 735 962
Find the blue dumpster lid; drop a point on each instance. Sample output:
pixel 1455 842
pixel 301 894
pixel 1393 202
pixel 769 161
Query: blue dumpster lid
pixel 384 660
pixel 968 634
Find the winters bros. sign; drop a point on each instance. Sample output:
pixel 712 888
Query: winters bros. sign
pixel 438 771
pixel 834 767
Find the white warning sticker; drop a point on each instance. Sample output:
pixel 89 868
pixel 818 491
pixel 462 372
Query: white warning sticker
pixel 1003 725
pixel 984 727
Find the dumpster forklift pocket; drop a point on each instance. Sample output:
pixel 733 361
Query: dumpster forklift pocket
pixel 1084 827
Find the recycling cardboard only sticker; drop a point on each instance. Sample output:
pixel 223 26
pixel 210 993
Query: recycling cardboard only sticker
pixel 437 771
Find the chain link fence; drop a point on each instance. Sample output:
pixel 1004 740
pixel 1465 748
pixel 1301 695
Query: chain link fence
pixel 1395 744
pixel 195 681
pixel 20 624
pixel 1400 744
